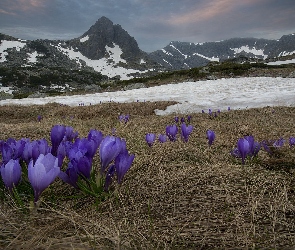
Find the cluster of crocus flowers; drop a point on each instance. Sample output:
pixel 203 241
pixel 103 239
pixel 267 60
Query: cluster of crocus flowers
pixel 69 158
pixel 171 132
pixel 211 113
pixel 246 147
pixel 182 119
pixel 114 158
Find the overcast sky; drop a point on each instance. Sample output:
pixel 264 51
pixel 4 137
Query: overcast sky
pixel 153 23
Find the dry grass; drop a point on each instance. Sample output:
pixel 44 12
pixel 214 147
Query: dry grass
pixel 175 196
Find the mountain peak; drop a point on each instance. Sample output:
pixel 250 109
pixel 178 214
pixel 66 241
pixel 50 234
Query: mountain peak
pixel 106 34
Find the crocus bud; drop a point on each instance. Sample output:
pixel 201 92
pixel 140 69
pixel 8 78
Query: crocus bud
pixel 171 132
pixel 244 148
pixel 186 131
pixel 162 138
pixel 210 136
pixel 109 149
pixel 292 141
pixel 150 139
pixel 57 134
pixel 122 163
pixel 11 173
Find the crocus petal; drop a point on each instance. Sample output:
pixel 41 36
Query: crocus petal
pixel 57 134
pixel 244 148
pixel 122 163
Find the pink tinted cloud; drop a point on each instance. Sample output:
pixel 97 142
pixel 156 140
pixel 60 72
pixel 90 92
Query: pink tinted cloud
pixel 6 12
pixel 212 9
pixel 17 6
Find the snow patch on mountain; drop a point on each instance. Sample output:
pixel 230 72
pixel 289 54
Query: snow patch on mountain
pixel 9 45
pixel 106 66
pixel 247 49
pixel 285 53
pixel 84 39
pixel 185 56
pixel 212 59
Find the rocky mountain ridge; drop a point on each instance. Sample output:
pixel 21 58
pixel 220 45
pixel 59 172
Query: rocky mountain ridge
pixel 185 55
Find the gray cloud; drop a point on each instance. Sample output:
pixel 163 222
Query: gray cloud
pixel 153 23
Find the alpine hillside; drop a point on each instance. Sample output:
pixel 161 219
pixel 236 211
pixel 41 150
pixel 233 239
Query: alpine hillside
pixel 106 53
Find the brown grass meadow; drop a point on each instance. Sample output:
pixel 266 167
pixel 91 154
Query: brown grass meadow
pixel 175 196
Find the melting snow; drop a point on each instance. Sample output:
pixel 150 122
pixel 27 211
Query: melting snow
pixel 192 97
pixel 185 56
pixel 282 62
pixel 166 52
pixel 32 57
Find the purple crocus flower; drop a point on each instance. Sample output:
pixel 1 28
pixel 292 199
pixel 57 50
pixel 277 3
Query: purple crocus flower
pixel 83 166
pixel 189 117
pixel 122 163
pixel 11 173
pixel 210 112
pixel 126 118
pixel 150 139
pixel 42 173
pixel 186 131
pixel 228 108
pixel 292 141
pixel 182 120
pixel 279 143
pixel 12 149
pixel 176 119
pixel 171 132
pixel 244 148
pixel 109 149
pixel 70 134
pixel 39 118
pixel 210 136
pixel 162 138
pixel 70 176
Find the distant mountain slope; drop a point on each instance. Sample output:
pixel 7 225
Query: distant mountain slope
pixel 184 55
